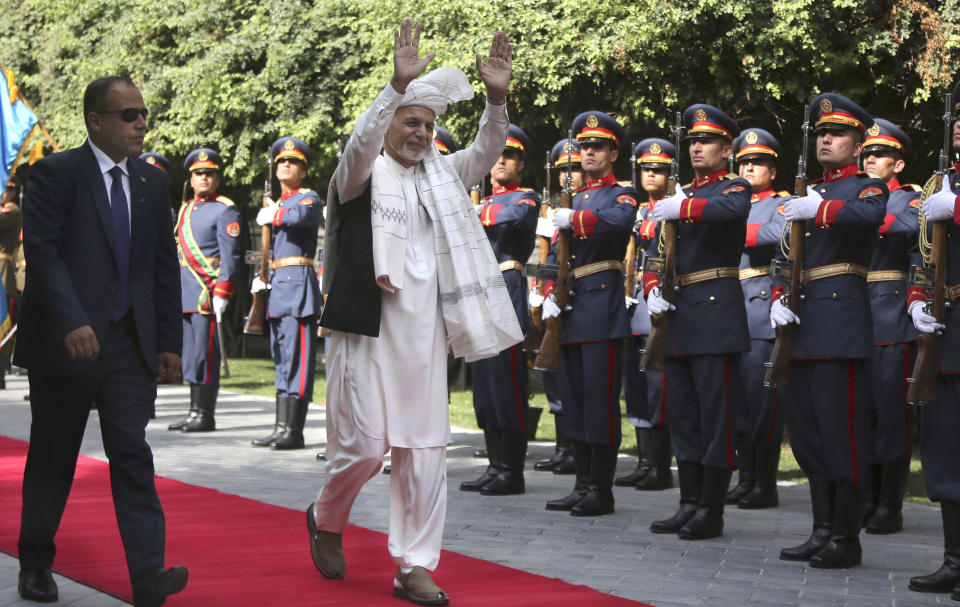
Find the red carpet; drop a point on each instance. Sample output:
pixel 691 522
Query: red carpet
pixel 242 552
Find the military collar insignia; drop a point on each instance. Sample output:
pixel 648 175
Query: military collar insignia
pixel 836 174
pixel 758 196
pixel 699 182
pixel 510 187
pixel 608 179
pixel 207 198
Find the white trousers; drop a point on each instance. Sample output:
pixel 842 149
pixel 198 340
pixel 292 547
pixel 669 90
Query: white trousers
pixel 418 490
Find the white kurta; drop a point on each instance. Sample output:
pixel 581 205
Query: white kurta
pixel 395 385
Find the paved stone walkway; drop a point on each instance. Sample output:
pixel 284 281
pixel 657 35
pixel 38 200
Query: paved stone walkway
pixel 616 554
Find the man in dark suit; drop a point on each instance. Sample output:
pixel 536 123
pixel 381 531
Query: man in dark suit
pixel 100 325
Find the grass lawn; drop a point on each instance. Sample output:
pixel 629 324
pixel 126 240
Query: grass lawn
pixel 256 376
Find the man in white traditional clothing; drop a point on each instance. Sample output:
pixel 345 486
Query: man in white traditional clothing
pixel 407 270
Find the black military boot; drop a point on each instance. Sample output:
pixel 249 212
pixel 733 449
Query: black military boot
pixel 292 437
pixel 581 460
pixel 547 465
pixel 821 503
pixel 643 461
pixel 491 440
pixel 279 427
pixel 707 522
pixel 764 493
pixel 509 478
pixel 747 454
pixel 565 465
pixel 206 404
pixel 947 576
pixel 888 516
pixel 871 487
pixel 660 455
pixel 193 411
pixel 599 498
pixel 843 550
pixel 690 475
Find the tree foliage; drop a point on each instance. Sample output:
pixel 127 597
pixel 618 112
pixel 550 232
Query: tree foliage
pixel 237 74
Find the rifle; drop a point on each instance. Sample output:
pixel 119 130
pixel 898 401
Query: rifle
pixel 777 374
pixel 655 353
pixel 535 334
pixel 257 317
pixel 549 355
pixel 475 195
pixel 932 278
pixel 630 260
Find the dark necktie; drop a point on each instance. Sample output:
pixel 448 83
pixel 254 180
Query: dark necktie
pixel 121 238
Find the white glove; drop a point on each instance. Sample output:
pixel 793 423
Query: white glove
pixel 781 315
pixel 258 285
pixel 656 304
pixel 940 206
pixel 805 207
pixel 630 301
pixel 265 215
pixel 923 321
pixel 536 300
pixel 219 305
pixel 561 218
pixel 668 208
pixel 545 227
pixel 478 208
pixel 550 308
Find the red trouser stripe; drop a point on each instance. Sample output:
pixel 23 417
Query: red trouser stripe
pixel 303 358
pixel 726 412
pixel 663 397
pixel 906 407
pixel 851 414
pixel 773 421
pixel 211 341
pixel 516 388
pixel 610 373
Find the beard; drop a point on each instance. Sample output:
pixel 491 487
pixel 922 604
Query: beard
pixel 408 153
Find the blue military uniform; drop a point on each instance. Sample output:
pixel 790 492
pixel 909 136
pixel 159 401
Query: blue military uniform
pixel 444 141
pixel 644 391
pixel 888 447
pixel 499 384
pixel 295 302
pixel 706 334
pixel 759 426
pixel 158 160
pixel 207 233
pixel 827 401
pixel 591 362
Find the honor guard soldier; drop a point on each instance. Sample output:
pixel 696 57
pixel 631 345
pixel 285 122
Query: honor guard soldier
pixel 294 304
pixel 940 418
pixel 888 449
pixel 509 217
pixel 157 160
pixel 444 141
pixel 564 156
pixel 827 402
pixel 601 219
pixel 643 390
pixel 759 429
pixel 11 222
pixel 707 323
pixel 207 232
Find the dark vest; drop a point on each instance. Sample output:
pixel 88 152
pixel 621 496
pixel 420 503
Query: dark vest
pixel 353 300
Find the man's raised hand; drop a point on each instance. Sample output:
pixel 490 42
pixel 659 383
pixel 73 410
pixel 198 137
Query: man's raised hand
pixel 407 64
pixel 495 72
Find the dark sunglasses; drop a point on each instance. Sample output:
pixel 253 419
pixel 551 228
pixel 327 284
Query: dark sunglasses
pixel 127 114
pixel 205 172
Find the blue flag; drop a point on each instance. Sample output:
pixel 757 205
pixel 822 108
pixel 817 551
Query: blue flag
pixel 16 122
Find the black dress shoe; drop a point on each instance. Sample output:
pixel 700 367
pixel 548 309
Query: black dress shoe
pixel 817 540
pixel 676 522
pixel 153 587
pixel 568 502
pixel 37 585
pixel 596 502
pixel 475 485
pixel 631 480
pixel 705 524
pixel 839 553
pixel 943 579
pixel 506 482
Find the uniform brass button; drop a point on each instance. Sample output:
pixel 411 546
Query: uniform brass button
pixel 585 196
pixel 896 292
pixel 808 234
pixel 712 298
pixel 834 295
pixel 603 285
pixel 823 191
pixel 763 292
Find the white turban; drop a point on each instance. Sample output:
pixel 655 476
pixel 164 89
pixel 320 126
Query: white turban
pixel 437 89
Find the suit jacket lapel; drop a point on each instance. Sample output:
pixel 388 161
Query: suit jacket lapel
pixel 98 193
pixel 138 209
